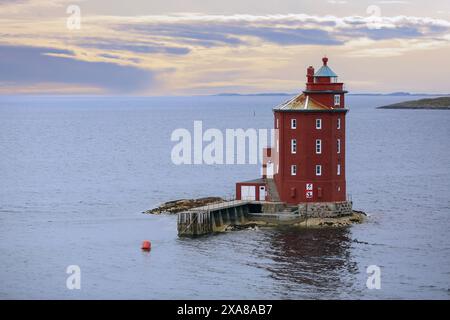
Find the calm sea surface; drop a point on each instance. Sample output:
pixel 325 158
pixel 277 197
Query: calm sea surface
pixel 76 173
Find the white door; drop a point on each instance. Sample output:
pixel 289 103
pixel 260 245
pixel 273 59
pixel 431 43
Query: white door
pixel 262 193
pixel 248 192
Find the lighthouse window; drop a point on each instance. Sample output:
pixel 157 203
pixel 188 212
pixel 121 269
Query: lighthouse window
pixel 293 170
pixel 293 123
pixel 339 123
pixel 338 169
pixel 318 123
pixel 338 145
pixel 293 146
pixel 277 124
pixel 318 170
pixel 337 100
pixel 318 146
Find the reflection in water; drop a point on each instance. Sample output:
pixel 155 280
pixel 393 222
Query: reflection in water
pixel 312 260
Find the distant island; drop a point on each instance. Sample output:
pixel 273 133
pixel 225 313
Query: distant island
pixel 254 94
pixel 436 103
pixel 350 94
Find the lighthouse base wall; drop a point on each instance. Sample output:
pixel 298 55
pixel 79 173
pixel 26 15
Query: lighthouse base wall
pixel 325 209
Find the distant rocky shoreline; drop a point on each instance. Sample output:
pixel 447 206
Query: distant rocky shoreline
pixel 442 103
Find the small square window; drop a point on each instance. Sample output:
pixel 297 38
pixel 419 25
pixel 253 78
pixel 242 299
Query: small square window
pixel 337 100
pixel 318 123
pixel 318 170
pixel 293 170
pixel 293 123
pixel 318 146
pixel 293 146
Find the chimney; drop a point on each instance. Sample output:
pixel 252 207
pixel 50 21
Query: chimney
pixel 310 74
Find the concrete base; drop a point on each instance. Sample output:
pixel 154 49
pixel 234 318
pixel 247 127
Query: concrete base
pixel 217 218
pixel 325 209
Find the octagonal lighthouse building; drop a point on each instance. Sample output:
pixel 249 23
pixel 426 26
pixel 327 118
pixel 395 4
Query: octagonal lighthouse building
pixel 303 171
pixel 308 157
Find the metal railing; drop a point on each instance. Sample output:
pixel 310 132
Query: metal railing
pixel 227 201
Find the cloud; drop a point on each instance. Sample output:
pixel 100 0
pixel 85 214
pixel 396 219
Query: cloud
pixel 337 1
pixel 393 2
pixel 210 34
pixel 144 48
pixel 290 29
pixel 191 52
pixel 24 65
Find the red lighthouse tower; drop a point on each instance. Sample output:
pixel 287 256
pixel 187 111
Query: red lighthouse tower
pixel 307 162
pixel 311 141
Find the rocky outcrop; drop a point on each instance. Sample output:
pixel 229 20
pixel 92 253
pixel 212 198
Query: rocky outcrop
pixel 176 206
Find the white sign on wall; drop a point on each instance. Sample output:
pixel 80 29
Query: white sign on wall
pixel 309 190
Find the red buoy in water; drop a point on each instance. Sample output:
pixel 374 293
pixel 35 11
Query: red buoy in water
pixel 146 245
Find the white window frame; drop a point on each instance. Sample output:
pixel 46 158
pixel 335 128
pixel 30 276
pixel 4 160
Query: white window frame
pixel 293 170
pixel 338 145
pixel 318 146
pixel 293 123
pixel 293 146
pixel 339 123
pixel 319 124
pixel 338 169
pixel 337 100
pixel 318 170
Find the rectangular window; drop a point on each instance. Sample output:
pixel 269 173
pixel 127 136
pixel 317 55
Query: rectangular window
pixel 293 123
pixel 318 170
pixel 337 100
pixel 338 169
pixel 277 124
pixel 318 146
pixel 293 170
pixel 339 123
pixel 338 145
pixel 318 123
pixel 293 146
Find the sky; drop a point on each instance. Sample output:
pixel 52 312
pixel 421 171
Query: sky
pixel 196 47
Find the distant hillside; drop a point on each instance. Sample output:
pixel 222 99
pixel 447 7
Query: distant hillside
pixel 436 103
